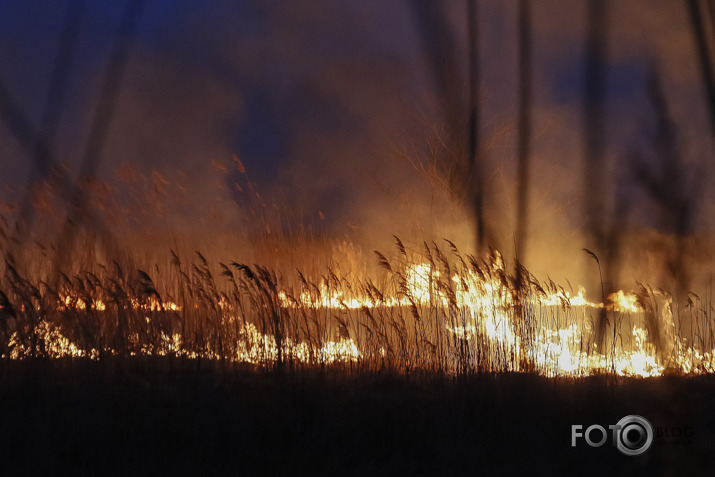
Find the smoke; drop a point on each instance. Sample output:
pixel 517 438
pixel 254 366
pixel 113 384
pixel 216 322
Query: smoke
pixel 331 111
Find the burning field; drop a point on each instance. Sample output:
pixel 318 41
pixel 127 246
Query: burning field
pixel 431 363
pixel 359 238
pixel 426 310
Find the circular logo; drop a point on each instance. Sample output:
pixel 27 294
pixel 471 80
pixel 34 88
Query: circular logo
pixel 634 435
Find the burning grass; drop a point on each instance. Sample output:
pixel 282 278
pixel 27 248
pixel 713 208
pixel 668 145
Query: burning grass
pixel 427 309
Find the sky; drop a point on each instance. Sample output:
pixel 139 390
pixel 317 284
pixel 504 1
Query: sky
pixel 331 110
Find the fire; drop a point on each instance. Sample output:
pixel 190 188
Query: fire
pixel 426 313
pixel 258 348
pixel 557 351
pixel 624 302
pixel 563 297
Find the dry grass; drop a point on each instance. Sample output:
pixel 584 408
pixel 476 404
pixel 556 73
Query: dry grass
pixel 192 308
pixel 260 305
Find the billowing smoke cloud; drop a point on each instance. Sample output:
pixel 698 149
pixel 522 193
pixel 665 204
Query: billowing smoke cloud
pixel 330 109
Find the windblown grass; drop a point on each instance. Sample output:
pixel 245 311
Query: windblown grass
pixel 420 308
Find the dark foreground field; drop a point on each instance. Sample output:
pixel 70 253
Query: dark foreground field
pixel 151 417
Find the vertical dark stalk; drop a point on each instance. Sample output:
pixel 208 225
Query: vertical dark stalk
pixel 711 14
pixel 104 113
pixel 593 134
pixel 523 146
pixel 476 188
pixel 706 70
pixel 593 114
pixel 463 165
pixel 523 143
pixel 670 187
pixel 440 47
pixel 54 102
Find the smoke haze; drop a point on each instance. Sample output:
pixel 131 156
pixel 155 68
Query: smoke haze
pixel 330 109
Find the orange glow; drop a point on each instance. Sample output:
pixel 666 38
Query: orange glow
pixel 473 315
